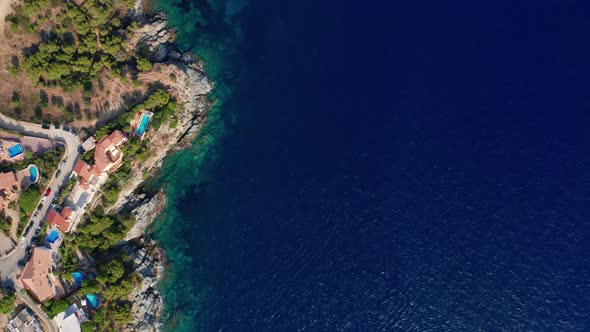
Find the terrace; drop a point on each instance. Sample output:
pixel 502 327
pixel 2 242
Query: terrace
pixel 11 150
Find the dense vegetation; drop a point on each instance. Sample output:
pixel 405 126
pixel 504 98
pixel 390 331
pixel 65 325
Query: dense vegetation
pixel 102 231
pixel 83 41
pixel 114 283
pixel 114 279
pixel 53 308
pixel 7 303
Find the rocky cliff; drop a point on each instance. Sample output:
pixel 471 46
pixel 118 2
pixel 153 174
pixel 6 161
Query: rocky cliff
pixel 185 78
pixel 146 300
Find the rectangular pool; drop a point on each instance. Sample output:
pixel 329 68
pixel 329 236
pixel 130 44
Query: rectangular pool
pixel 145 120
pixel 16 150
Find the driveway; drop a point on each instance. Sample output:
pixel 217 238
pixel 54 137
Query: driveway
pixel 9 264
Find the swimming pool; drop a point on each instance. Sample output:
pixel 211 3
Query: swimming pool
pixel 16 150
pixel 145 120
pixel 78 277
pixel 53 236
pixel 34 171
pixel 92 300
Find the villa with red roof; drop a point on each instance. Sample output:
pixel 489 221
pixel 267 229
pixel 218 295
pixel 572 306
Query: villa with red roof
pixel 87 175
pixel 37 276
pixel 108 157
pixel 60 220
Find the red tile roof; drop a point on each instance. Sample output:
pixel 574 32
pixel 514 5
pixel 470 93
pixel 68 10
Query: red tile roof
pixel 86 173
pixel 56 219
pixel 107 153
pixel 66 212
pixel 36 276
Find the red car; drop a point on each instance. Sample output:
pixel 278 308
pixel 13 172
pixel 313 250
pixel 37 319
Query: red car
pixel 48 192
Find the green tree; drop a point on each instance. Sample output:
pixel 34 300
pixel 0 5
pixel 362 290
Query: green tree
pixel 53 308
pixel 7 303
pixel 143 64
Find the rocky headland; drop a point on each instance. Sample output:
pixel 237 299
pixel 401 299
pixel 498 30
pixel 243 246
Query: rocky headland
pixel 188 82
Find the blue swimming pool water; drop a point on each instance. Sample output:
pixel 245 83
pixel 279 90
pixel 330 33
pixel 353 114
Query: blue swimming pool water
pixel 145 120
pixel 78 277
pixel 16 150
pixel 34 173
pixel 92 300
pixel 53 236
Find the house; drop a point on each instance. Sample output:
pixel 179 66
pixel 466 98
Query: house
pixel 60 220
pixel 69 320
pixel 24 322
pixel 37 276
pixel 108 156
pixel 87 175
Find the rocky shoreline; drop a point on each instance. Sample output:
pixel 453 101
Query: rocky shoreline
pixel 191 88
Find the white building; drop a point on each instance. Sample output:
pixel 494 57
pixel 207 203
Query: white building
pixel 69 320
pixel 24 322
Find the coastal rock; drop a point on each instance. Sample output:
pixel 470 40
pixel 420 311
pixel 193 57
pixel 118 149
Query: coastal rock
pixel 154 37
pixel 146 300
pixel 192 85
pixel 144 215
pixel 185 78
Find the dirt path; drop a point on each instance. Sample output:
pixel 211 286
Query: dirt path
pixel 15 220
pixel 5 9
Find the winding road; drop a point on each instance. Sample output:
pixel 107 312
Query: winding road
pixel 10 263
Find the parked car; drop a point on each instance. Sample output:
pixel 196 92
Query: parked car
pixel 36 214
pixel 66 128
pixel 45 126
pixel 56 125
pixel 48 192
pixel 43 199
pixel 58 173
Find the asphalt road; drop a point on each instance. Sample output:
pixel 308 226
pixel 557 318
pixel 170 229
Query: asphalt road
pixel 9 264
pixel 38 312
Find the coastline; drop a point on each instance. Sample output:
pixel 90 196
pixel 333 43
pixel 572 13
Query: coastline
pixel 184 79
pixel 192 89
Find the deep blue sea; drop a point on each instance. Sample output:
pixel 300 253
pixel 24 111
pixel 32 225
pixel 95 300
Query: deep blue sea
pixel 383 166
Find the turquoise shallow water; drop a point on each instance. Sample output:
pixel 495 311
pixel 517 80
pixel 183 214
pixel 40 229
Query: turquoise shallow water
pixel 211 31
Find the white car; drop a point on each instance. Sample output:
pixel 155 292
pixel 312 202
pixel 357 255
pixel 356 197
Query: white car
pixel 43 199
pixel 23 239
